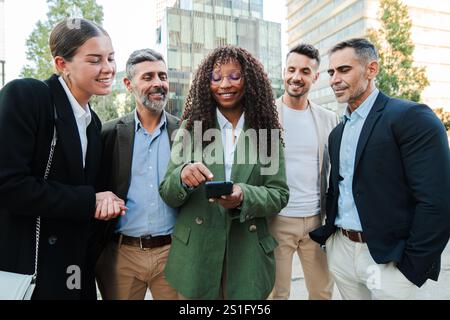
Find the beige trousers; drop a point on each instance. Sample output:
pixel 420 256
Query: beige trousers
pixel 125 273
pixel 292 235
pixel 359 277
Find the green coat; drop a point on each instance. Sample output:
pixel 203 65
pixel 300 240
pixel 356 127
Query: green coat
pixel 208 237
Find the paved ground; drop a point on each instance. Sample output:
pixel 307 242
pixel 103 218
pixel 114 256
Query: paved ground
pixel 431 290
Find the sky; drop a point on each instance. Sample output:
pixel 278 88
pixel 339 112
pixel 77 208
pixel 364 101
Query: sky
pixel 131 25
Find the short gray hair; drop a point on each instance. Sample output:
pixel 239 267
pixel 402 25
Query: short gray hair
pixel 139 56
pixel 364 49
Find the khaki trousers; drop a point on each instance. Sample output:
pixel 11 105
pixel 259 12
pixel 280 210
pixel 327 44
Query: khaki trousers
pixel 125 272
pixel 292 235
pixel 359 277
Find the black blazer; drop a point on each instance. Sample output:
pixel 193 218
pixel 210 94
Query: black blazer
pixel 66 201
pixel 117 157
pixel 401 187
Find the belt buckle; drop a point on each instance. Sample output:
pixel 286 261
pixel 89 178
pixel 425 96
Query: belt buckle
pixel 140 244
pixel 359 237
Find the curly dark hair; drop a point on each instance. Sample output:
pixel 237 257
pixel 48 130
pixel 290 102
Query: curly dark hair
pixel 257 102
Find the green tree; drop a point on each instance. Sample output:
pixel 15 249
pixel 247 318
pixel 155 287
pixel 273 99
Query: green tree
pixel 444 116
pixel 112 106
pixel 105 106
pixel 38 52
pixel 398 77
pixel 41 62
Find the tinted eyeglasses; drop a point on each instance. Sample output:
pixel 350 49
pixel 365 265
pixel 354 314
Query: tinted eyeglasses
pixel 234 78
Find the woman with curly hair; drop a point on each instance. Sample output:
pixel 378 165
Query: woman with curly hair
pixel 222 248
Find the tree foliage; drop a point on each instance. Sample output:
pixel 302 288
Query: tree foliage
pixel 444 116
pixel 41 62
pixel 112 106
pixel 398 76
pixel 38 51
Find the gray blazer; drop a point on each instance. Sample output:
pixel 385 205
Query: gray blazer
pixel 117 156
pixel 324 121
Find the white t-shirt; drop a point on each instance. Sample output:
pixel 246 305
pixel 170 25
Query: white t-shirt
pixel 302 163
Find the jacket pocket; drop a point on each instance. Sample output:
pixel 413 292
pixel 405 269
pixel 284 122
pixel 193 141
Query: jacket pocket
pixel 268 244
pixel 182 233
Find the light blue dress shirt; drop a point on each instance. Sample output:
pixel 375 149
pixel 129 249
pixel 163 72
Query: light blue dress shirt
pixel 348 217
pixel 147 213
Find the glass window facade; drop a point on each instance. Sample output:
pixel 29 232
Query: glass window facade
pixel 324 23
pixel 191 34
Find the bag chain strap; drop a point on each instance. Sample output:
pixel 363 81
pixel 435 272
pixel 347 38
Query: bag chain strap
pixel 38 219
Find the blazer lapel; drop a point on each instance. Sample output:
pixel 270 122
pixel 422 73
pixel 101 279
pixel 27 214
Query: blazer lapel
pixel 93 150
pixel 125 140
pixel 335 148
pixel 279 107
pixel 172 124
pixel 319 132
pixel 240 172
pixel 370 122
pixel 216 168
pixel 66 126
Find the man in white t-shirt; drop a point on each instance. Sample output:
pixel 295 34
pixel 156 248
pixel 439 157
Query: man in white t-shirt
pixel 306 128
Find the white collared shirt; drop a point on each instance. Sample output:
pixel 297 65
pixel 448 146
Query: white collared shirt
pixel 229 140
pixel 82 116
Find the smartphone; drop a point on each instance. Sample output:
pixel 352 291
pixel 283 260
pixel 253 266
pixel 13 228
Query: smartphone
pixel 216 189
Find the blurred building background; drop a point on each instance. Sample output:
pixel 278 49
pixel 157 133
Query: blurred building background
pixel 323 23
pixel 2 43
pixel 189 29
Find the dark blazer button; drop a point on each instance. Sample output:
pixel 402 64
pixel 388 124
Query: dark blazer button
pixel 252 228
pixel 180 196
pixel 198 220
pixel 52 240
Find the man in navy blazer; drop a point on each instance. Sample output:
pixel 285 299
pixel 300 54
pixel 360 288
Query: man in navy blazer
pixel 388 216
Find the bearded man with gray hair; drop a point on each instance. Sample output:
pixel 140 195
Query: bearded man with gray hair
pixel 136 152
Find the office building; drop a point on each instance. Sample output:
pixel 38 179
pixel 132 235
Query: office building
pixel 323 23
pixel 189 30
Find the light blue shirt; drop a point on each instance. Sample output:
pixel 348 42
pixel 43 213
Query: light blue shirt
pixel 229 140
pixel 348 217
pixel 147 213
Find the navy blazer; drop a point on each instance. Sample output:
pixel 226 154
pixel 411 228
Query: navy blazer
pixel 401 187
pixel 65 202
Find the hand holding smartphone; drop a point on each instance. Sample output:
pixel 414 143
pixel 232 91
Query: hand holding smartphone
pixel 216 189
